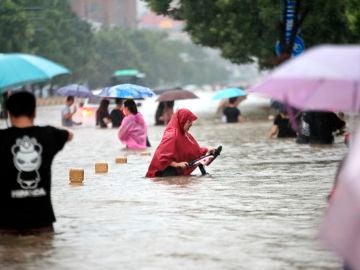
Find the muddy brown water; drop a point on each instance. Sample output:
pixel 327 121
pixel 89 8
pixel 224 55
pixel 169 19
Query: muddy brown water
pixel 258 208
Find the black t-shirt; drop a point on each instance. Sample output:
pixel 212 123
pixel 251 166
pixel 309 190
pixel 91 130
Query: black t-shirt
pixel 25 175
pixel 232 114
pixel 284 127
pixel 116 117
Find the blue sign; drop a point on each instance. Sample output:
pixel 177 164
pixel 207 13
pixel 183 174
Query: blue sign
pixel 289 14
pixel 298 47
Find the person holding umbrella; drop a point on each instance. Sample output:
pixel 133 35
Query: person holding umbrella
pixel 67 113
pixel 231 112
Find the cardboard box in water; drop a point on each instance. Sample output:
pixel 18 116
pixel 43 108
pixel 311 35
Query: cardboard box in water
pixel 101 167
pixel 121 160
pixel 76 175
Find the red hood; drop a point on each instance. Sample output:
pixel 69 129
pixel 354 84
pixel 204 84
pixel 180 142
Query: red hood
pixel 176 144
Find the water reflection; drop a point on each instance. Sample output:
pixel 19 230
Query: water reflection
pixel 26 251
pixel 258 208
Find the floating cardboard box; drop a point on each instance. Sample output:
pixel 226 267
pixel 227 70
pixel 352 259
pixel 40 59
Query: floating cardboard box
pixel 121 160
pixel 76 175
pixel 101 167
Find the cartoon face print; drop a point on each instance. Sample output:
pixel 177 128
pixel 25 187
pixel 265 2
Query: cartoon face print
pixel 27 160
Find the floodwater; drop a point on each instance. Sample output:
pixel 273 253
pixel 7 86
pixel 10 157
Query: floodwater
pixel 258 208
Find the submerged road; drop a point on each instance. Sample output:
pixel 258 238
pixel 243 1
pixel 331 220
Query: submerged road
pixel 258 208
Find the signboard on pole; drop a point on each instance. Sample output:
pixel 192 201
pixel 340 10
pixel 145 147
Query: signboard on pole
pixel 297 49
pixel 288 19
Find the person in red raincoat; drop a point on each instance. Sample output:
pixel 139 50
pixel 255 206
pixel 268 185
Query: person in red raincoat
pixel 176 148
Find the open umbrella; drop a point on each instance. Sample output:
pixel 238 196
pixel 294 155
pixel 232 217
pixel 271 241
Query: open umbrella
pixel 229 93
pixel 340 229
pixel 127 91
pixel 326 77
pixel 76 90
pixel 176 94
pixel 18 69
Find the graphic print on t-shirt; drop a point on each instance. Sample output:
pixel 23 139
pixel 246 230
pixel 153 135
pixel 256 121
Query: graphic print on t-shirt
pixel 27 160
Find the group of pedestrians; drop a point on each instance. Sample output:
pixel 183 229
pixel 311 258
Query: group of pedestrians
pixel 312 127
pixel 132 131
pixel 27 152
pixel 114 118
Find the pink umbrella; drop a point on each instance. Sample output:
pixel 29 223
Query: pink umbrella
pixel 326 77
pixel 340 229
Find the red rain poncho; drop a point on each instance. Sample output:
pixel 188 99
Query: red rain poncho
pixel 176 145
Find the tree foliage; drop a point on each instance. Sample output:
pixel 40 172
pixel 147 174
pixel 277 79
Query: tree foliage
pixel 15 30
pixel 246 29
pixel 49 28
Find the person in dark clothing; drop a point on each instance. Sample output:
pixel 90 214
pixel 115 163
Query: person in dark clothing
pixel 27 152
pixel 102 114
pixel 322 125
pixel 168 111
pixel 303 136
pixel 116 114
pixel 282 126
pixel 158 114
pixel 231 112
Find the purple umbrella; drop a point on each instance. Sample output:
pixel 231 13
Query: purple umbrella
pixel 323 78
pixel 328 78
pixel 76 90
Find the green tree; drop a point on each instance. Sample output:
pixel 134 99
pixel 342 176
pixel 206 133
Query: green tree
pixel 15 31
pixel 61 36
pixel 50 29
pixel 47 28
pixel 111 51
pixel 246 29
pixel 152 53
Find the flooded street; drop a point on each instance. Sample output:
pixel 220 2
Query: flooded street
pixel 258 208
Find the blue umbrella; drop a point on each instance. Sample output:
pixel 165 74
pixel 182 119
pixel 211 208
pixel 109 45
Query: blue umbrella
pixel 76 90
pixel 229 93
pixel 127 91
pixel 17 69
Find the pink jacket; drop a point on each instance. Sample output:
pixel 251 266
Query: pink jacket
pixel 132 131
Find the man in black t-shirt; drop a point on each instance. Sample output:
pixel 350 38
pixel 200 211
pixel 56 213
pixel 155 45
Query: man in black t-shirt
pixel 116 114
pixel 26 154
pixel 282 126
pixel 231 112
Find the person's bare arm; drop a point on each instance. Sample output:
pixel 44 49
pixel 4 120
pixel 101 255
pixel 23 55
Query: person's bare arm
pixel 70 136
pixel 273 132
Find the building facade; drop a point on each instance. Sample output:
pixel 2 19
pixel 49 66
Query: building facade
pixel 107 13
